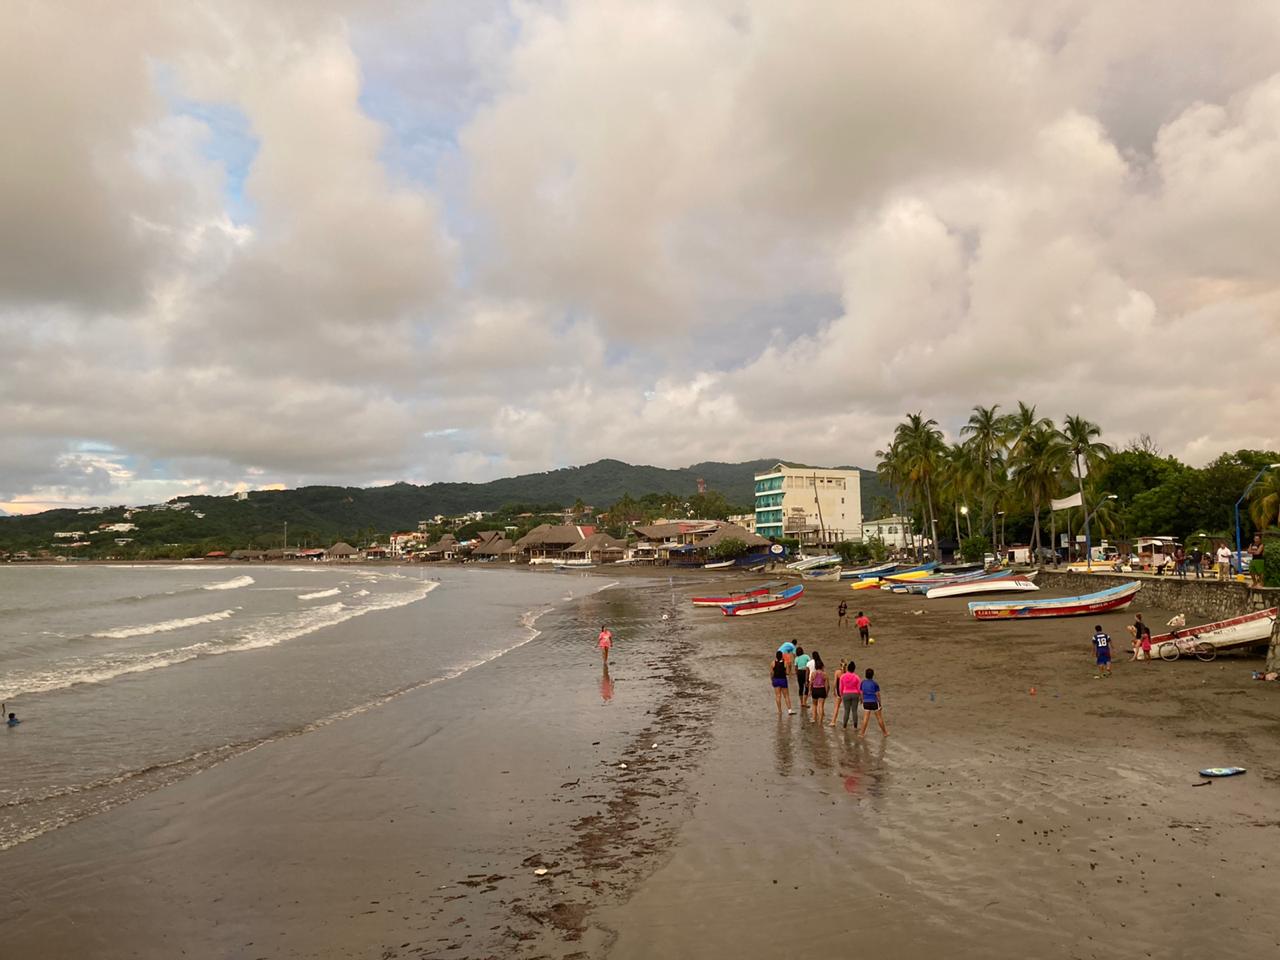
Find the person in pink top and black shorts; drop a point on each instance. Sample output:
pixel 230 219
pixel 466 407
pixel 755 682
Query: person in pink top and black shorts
pixel 605 642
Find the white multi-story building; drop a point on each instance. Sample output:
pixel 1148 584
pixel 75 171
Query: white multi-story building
pixel 893 531
pixel 809 503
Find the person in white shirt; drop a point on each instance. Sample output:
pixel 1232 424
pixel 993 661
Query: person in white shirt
pixel 1224 562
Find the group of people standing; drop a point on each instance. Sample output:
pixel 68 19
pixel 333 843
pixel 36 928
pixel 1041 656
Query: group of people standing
pixel 812 684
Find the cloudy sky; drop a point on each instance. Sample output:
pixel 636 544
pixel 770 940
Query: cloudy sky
pixel 249 243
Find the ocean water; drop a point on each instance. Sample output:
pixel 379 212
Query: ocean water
pixel 129 677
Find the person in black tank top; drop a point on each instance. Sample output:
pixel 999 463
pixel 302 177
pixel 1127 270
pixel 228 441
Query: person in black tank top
pixel 778 677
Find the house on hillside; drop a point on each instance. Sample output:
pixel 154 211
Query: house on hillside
pixel 547 542
pixel 598 548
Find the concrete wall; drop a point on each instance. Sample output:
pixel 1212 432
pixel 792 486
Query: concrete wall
pixel 1206 600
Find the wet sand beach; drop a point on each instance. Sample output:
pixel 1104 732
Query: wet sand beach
pixel 993 822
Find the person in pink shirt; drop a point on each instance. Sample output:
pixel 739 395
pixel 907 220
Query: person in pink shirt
pixel 605 642
pixel 849 687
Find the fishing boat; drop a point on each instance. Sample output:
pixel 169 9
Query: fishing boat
pixel 1243 631
pixel 1000 583
pixel 912 573
pixel 863 573
pixel 574 565
pixel 1104 601
pixel 719 565
pixel 782 601
pixel 822 573
pixel 764 590
pixel 808 563
pixel 925 584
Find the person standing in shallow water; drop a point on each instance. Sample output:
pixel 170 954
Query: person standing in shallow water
pixel 802 677
pixel 818 689
pixel 605 643
pixel 872 702
pixel 849 688
pixel 778 677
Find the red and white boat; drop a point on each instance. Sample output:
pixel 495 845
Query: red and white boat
pixel 1010 584
pixel 1247 630
pixel 1104 601
pixel 764 590
pixel 781 601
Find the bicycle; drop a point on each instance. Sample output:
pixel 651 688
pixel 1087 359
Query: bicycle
pixel 1191 646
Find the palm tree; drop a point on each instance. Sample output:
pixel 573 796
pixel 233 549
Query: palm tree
pixel 922 449
pixel 893 472
pixel 1039 461
pixel 1264 502
pixel 1086 453
pixel 1023 424
pixel 988 435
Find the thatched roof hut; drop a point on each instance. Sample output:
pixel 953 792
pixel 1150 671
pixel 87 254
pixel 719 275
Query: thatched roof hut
pixel 341 551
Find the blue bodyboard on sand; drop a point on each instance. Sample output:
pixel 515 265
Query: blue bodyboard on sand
pixel 1221 771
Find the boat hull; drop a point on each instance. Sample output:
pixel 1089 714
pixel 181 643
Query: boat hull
pixel 1243 631
pixel 993 585
pixel 764 590
pixel 864 573
pixel 772 604
pixel 1104 601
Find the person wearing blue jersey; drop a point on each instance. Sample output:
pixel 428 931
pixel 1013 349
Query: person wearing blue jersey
pixel 1102 651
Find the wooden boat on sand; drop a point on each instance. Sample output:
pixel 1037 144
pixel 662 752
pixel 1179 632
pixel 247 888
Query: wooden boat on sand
pixel 771 604
pixel 1104 601
pixel 764 590
pixel 1002 583
pixel 1247 630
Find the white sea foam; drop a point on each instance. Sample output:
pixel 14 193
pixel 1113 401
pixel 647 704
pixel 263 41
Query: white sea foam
pixel 319 593
pixel 164 626
pixel 269 632
pixel 361 593
pixel 233 584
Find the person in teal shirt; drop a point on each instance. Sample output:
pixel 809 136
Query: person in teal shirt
pixel 802 676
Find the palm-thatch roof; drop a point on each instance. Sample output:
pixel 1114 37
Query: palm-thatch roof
pixel 554 535
pixel 730 531
pixel 341 549
pixel 491 548
pixel 597 543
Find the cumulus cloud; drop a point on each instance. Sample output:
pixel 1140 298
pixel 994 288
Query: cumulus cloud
pixel 359 242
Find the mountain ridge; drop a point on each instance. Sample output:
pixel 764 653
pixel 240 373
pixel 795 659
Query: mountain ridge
pixel 325 511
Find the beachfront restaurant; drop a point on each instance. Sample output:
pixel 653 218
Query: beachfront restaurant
pixel 598 548
pixel 547 542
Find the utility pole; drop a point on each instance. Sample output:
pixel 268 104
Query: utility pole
pixel 822 530
pixel 286 535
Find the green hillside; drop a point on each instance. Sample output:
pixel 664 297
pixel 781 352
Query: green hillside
pixel 319 515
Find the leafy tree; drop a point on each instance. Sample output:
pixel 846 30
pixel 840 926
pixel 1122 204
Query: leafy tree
pixel 728 549
pixel 974 549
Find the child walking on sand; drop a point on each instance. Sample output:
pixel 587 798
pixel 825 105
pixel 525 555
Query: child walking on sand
pixel 872 702
pixel 1102 651
pixel 605 642
pixel 778 675
pixel 818 689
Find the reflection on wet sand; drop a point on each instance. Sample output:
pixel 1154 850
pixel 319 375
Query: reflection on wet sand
pixel 606 685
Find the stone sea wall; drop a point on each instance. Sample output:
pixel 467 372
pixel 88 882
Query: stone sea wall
pixel 1206 600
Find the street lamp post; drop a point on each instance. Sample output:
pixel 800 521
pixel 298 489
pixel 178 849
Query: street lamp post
pixel 1088 545
pixel 1000 549
pixel 1252 484
pixel 969 523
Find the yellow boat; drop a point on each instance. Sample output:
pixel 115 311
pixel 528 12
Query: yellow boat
pixel 886 581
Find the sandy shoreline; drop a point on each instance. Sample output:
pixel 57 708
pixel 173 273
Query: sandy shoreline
pixel 993 822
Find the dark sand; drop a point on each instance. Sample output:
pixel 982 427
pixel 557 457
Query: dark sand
pixel 993 823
